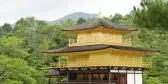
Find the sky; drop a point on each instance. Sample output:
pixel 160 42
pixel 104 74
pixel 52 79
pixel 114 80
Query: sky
pixel 13 10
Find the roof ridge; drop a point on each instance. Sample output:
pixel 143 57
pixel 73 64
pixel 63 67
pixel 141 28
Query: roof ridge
pixel 98 21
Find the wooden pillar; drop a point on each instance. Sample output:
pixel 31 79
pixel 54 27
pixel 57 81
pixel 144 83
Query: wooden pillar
pixel 109 76
pixel 126 76
pixel 118 77
pixel 89 77
pixel 59 76
pixel 134 75
pixel 67 76
pixel 84 76
pixel 109 79
pixel 99 76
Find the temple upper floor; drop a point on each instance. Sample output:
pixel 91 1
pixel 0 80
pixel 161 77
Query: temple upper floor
pixel 100 35
pixel 99 31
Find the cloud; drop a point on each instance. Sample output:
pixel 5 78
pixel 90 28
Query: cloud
pixel 12 10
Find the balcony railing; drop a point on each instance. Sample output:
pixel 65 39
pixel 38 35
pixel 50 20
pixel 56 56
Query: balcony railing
pixel 124 42
pixel 72 41
pixel 96 64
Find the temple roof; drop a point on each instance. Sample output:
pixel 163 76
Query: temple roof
pixel 96 23
pixel 52 72
pixel 96 47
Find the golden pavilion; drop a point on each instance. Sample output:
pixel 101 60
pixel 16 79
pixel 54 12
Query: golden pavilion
pixel 100 55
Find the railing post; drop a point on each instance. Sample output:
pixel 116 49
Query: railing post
pixel 109 75
pixel 69 40
pixel 59 61
pixel 72 40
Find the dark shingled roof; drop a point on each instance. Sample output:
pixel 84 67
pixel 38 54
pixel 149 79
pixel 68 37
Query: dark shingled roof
pixel 96 47
pixel 99 22
pixel 53 72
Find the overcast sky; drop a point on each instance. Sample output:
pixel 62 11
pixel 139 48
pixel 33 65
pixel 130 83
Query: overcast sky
pixel 12 10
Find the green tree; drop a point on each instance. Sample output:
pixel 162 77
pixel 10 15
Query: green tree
pixel 151 19
pixel 153 14
pixel 11 46
pixel 6 28
pixel 107 19
pixel 67 23
pixel 25 44
pixel 81 20
pixel 151 39
pixel 128 20
pixel 116 18
pixel 1 32
pixel 13 66
pixel 21 24
pixel 15 71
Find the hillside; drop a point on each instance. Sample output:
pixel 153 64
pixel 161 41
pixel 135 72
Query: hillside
pixel 73 16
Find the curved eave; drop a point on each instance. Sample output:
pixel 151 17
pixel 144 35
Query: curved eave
pixel 97 47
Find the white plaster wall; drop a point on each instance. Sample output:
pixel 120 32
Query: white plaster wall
pixel 131 78
pixel 138 78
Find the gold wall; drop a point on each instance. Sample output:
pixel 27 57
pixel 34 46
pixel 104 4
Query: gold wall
pixel 106 59
pixel 99 36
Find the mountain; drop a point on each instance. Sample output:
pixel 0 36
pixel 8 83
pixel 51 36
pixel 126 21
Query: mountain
pixel 75 16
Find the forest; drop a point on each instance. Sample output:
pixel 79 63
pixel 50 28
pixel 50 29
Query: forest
pixel 22 62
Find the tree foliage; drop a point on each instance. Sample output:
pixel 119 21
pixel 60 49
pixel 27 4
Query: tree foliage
pixel 81 20
pixel 21 59
pixel 6 28
pixel 116 18
pixel 152 15
pixel 15 71
pixel 151 19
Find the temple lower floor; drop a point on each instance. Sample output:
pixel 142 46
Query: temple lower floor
pixel 101 75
